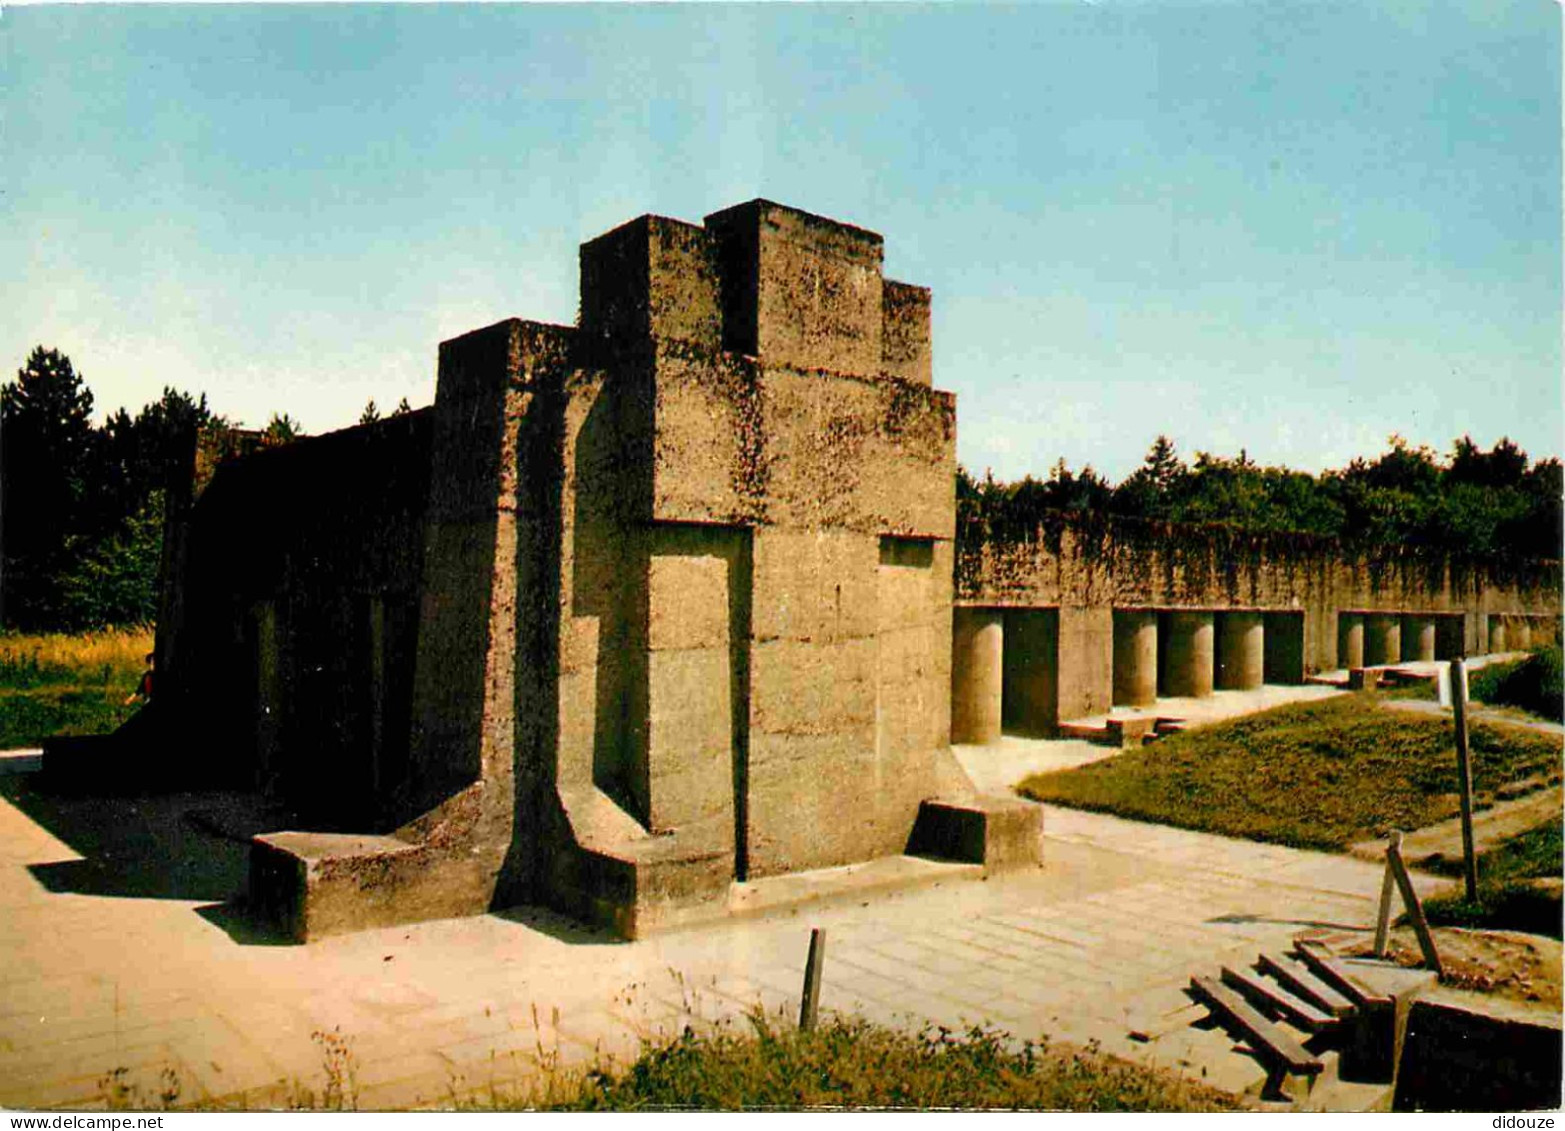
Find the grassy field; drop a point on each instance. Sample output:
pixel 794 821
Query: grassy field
pixel 1507 896
pixel 55 684
pixel 1314 775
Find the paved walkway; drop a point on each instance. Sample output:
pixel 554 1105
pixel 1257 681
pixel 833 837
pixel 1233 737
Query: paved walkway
pixel 116 950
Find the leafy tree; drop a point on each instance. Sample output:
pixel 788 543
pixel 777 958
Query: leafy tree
pixel 370 414
pixel 402 409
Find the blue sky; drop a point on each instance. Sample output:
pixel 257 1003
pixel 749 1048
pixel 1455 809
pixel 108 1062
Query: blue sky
pixel 1289 227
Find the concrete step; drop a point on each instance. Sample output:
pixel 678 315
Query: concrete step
pixel 852 881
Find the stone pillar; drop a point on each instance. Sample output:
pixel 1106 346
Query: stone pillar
pixel 1518 634
pixel 1187 658
pixel 977 672
pixel 1350 640
pixel 1497 639
pixel 1241 651
pixel 1418 637
pixel 1382 639
pixel 1135 657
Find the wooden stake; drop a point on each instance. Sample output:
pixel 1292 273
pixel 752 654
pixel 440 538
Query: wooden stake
pixel 1415 909
pixel 810 1002
pixel 1464 770
pixel 1387 885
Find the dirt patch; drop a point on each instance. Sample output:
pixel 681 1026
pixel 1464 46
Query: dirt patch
pixel 1508 964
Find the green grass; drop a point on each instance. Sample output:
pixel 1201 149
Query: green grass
pixel 851 1063
pixel 1535 684
pixel 67 685
pixel 1313 775
pixel 1507 898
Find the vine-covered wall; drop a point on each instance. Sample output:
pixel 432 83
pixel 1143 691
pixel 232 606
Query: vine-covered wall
pixel 1074 559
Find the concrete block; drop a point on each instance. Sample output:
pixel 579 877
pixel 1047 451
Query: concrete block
pixel 1000 833
pixel 800 290
pixel 905 336
pixel 652 277
pixel 1466 1053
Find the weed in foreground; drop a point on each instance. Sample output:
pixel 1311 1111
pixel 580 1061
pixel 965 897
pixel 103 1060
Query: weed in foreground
pixel 851 1063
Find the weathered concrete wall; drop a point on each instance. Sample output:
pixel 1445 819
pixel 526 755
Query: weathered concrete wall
pixel 288 640
pixel 1234 609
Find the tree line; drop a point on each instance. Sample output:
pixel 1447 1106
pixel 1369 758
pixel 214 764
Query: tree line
pixel 81 506
pixel 1484 506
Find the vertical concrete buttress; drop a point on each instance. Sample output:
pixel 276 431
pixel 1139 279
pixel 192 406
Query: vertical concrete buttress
pixel 1135 657
pixel 1497 634
pixel 1519 634
pixel 1241 651
pixel 977 672
pixel 1188 655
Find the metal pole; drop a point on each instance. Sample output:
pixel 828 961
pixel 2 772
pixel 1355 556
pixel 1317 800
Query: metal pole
pixel 1464 770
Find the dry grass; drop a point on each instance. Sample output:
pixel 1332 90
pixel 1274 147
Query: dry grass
pixel 55 652
pixel 56 684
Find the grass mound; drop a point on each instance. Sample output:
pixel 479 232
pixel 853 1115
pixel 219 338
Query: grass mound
pixel 57 685
pixel 1313 775
pixel 852 1063
pixel 1508 897
pixel 1535 684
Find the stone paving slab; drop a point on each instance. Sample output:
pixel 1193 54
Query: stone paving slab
pixel 1095 942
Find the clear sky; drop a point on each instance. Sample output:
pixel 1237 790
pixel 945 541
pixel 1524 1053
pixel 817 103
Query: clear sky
pixel 1289 227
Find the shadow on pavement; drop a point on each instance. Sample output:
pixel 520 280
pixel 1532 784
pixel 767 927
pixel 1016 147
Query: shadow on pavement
pixel 133 847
